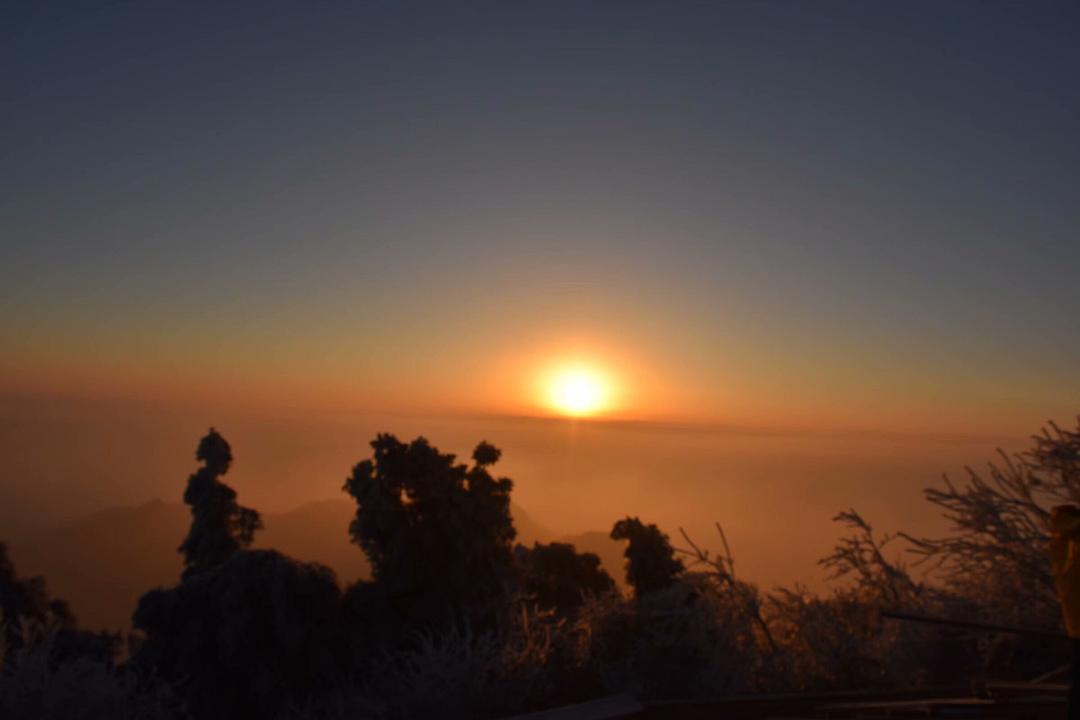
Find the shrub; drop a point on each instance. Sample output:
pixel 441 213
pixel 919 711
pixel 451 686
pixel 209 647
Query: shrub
pixel 246 637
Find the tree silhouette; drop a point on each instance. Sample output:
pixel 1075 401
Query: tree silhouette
pixel 559 576
pixel 996 547
pixel 219 525
pixel 244 637
pixel 22 601
pixel 25 605
pixel 244 631
pixel 438 533
pixel 651 562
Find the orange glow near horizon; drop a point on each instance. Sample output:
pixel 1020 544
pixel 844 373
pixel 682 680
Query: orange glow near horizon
pixel 577 390
pixel 585 375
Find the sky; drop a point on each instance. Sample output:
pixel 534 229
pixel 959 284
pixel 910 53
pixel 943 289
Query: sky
pixel 836 214
pixel 845 220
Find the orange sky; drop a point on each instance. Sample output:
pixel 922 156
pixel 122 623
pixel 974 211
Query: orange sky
pixel 652 376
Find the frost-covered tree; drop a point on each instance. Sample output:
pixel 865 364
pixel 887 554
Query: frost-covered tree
pixel 996 550
pixel 22 602
pixel 26 609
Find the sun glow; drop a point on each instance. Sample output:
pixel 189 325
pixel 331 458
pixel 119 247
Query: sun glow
pixel 578 391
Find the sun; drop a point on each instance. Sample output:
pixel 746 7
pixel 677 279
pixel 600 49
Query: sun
pixel 578 391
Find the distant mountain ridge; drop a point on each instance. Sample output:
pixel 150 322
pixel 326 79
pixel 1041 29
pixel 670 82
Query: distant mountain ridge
pixel 102 563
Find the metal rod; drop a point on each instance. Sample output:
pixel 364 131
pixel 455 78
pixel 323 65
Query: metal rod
pixel 988 627
pixel 1050 675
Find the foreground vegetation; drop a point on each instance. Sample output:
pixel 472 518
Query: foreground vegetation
pixel 457 621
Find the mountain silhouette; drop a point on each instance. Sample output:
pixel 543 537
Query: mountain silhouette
pixel 102 563
pixel 609 551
